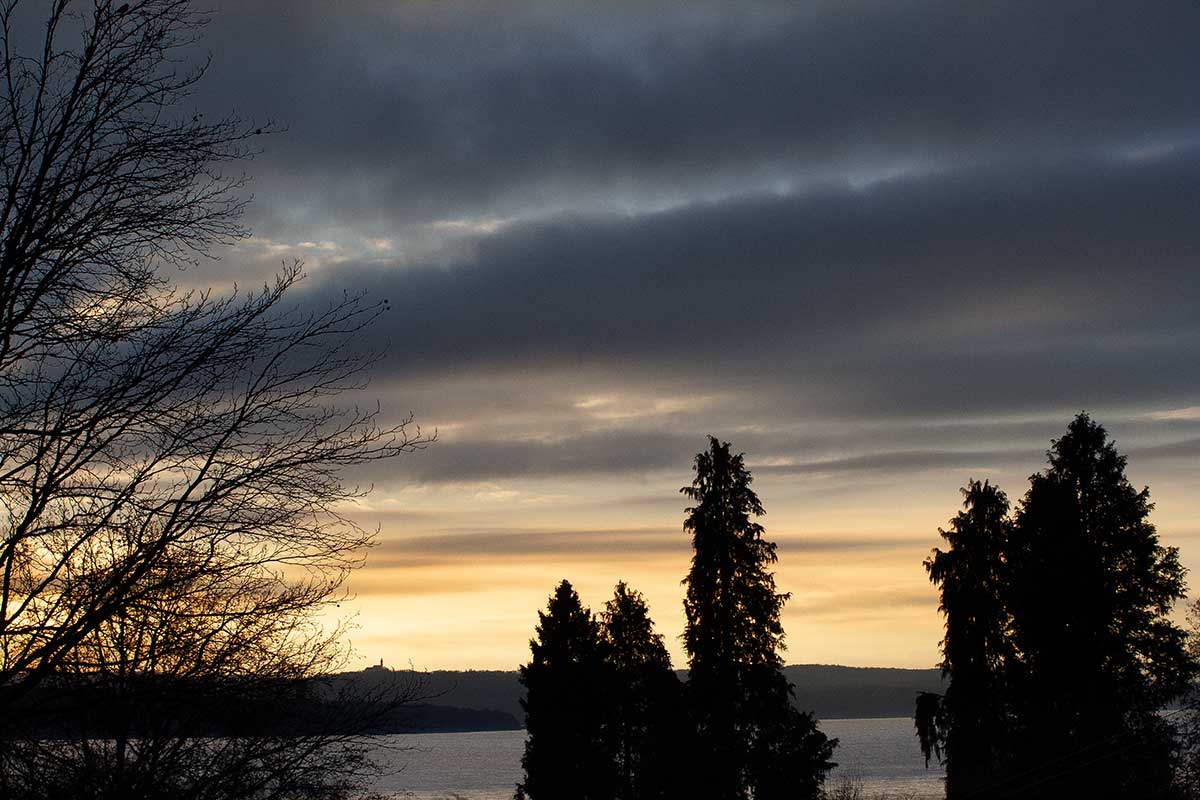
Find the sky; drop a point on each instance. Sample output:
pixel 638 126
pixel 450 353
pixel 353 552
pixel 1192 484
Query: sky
pixel 880 247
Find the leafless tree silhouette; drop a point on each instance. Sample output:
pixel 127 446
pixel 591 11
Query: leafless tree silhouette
pixel 220 687
pixel 161 451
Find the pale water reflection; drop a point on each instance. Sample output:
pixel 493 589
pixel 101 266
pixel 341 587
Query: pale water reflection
pixel 881 753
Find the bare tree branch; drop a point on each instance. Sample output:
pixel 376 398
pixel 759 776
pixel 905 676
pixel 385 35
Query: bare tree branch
pixel 170 462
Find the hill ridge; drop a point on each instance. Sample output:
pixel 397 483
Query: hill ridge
pixel 831 691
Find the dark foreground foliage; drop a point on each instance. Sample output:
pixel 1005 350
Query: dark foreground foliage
pixel 755 743
pixel 145 737
pixel 1059 650
pixel 173 527
pixel 608 717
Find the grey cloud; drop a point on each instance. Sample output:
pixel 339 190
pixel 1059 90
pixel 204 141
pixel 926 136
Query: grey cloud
pixel 455 544
pixel 1185 449
pixel 895 212
pixel 616 451
pixel 630 450
pixel 904 460
pixel 842 543
pixel 998 289
pixel 452 545
pixel 862 602
pixel 402 112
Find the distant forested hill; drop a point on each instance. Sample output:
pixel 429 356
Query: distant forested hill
pixel 437 701
pixel 830 691
pixel 833 692
pixel 483 689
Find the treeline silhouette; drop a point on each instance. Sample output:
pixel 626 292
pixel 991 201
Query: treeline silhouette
pixel 1060 657
pixel 157 736
pixel 608 718
pixel 827 690
pixel 1058 648
pixel 144 706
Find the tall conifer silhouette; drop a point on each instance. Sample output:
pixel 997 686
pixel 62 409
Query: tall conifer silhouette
pixel 565 753
pixel 755 744
pixel 1058 646
pixel 969 726
pixel 646 720
pixel 1090 595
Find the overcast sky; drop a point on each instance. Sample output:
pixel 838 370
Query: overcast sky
pixel 881 247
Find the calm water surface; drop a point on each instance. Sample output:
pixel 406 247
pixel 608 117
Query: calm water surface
pixel 880 753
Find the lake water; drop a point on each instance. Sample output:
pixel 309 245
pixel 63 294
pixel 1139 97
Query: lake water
pixel 881 754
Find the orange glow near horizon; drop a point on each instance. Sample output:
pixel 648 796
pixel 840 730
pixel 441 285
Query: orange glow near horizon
pixel 446 592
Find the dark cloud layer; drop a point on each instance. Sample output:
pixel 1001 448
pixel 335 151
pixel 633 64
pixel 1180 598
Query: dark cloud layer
pixel 820 213
pixel 771 455
pixel 449 546
pixel 881 246
pixel 621 451
pixel 981 291
pixel 412 111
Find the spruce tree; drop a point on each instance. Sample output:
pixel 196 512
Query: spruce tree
pixel 968 726
pixel 645 716
pixel 753 742
pixel 1090 594
pixel 565 753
